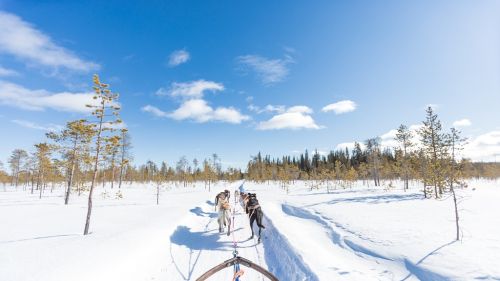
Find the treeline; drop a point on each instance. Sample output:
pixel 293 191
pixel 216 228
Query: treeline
pixel 428 155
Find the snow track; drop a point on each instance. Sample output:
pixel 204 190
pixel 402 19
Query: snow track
pixel 399 266
pixel 196 245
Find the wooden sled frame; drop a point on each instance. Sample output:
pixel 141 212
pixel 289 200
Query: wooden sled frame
pixel 233 261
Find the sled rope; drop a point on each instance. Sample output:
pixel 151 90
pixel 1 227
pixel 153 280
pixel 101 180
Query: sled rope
pixel 235 245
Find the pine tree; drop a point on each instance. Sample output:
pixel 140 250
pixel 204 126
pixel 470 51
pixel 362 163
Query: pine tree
pixel 111 149
pixel 74 142
pixel 16 160
pixel 43 164
pixel 107 114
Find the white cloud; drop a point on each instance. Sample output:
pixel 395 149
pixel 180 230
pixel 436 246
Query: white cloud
pixel 485 147
pixel 154 110
pixel 178 57
pixel 31 125
pixel 194 107
pixel 462 123
pixel 268 108
pixel 193 89
pixel 199 111
pixel 300 109
pixel 269 71
pixel 4 72
pixel 22 40
pixel 296 117
pixel 340 107
pixel 161 92
pixel 18 96
pixel 229 115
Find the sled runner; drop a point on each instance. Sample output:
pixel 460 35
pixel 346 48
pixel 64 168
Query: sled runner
pixel 235 261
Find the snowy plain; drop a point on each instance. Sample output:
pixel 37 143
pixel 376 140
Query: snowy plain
pixel 358 233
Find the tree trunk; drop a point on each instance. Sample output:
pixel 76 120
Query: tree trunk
pixel 70 183
pixel 456 214
pixel 32 183
pixel 94 178
pixel 40 177
pixel 157 195
pixel 121 176
pixel 113 174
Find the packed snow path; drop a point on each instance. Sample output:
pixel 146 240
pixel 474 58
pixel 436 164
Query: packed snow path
pixel 196 245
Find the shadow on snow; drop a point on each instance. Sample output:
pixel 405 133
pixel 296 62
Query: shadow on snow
pixel 199 212
pixel 376 199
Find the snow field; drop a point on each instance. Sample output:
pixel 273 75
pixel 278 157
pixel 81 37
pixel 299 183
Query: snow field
pixel 361 233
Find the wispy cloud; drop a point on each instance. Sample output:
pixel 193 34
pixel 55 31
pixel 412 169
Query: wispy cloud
pixel 18 96
pixel 178 57
pixel 268 108
pixel 32 125
pixel 4 72
pixel 199 111
pixel 24 41
pixel 189 90
pixel 340 107
pixel 128 57
pixel 294 118
pixel 462 123
pixel 154 110
pixel 269 71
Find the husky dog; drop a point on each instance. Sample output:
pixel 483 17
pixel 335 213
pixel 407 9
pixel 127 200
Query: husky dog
pixel 224 218
pixel 254 212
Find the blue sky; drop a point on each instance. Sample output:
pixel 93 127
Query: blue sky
pixel 238 77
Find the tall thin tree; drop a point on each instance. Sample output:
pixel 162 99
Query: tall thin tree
pixel 404 138
pixel 106 112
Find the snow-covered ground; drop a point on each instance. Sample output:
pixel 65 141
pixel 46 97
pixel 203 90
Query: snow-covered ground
pixel 363 233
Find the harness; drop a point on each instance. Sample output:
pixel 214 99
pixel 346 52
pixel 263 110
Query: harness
pixel 253 208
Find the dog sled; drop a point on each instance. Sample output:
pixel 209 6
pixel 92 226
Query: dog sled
pixel 236 261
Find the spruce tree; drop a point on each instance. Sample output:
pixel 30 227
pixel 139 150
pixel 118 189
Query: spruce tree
pixel 404 138
pixel 125 156
pixel 435 151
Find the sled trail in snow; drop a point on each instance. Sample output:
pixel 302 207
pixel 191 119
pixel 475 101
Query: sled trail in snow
pixel 196 245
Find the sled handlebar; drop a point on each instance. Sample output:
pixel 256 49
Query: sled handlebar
pixel 233 261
